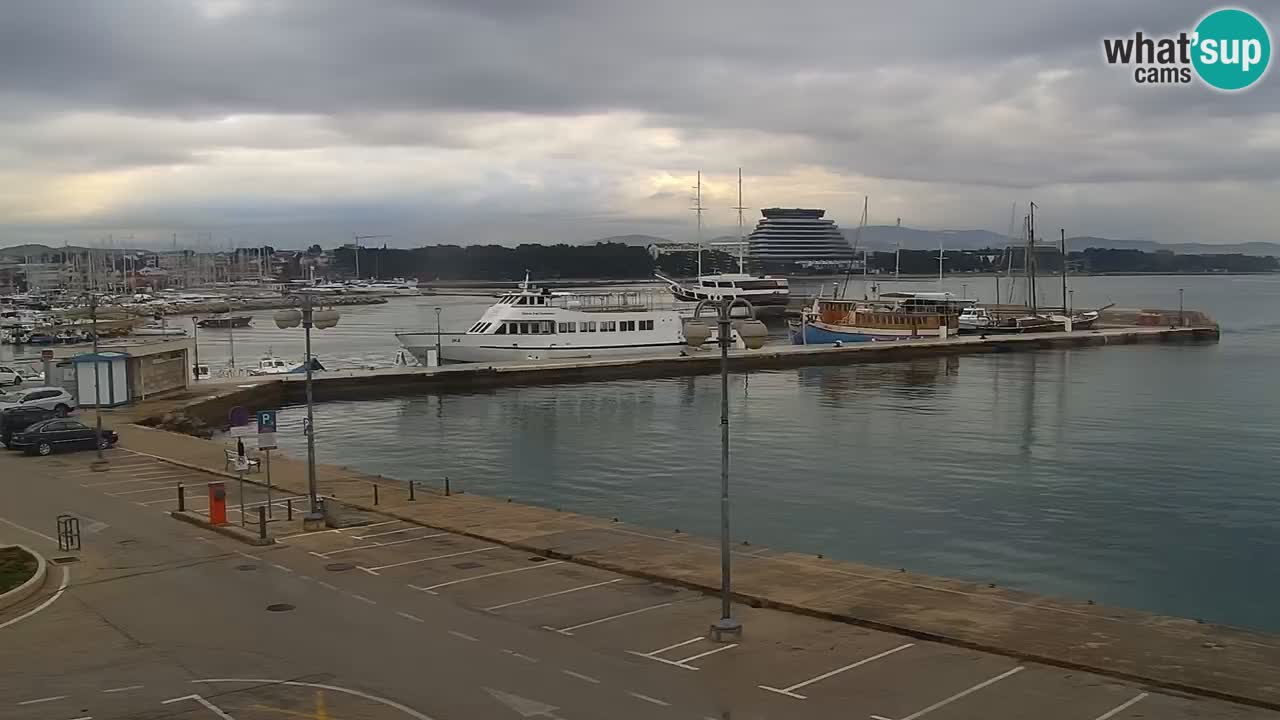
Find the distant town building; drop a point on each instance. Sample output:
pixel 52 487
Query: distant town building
pixel 798 238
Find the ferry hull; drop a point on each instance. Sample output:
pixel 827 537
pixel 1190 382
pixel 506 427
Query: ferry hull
pixel 464 348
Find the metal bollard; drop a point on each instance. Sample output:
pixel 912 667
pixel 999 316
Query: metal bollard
pixel 262 522
pixel 411 483
pixel 446 486
pixel 288 506
pixel 375 493
pixel 182 498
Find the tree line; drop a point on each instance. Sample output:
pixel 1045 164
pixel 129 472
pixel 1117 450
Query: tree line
pixel 616 261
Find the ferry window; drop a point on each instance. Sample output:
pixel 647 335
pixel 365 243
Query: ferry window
pixel 535 328
pixel 582 327
pixel 502 330
pixel 609 326
pixel 591 326
pixel 562 327
pixel 646 324
pixel 570 327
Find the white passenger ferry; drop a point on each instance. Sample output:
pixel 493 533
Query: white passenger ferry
pixel 537 324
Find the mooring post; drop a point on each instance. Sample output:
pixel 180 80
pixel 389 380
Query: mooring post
pixel 375 493
pixel 446 486
pixel 182 498
pixel 262 522
pixel 288 507
pixel 411 484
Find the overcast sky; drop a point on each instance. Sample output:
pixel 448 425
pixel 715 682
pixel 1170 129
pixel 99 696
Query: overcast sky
pixel 296 121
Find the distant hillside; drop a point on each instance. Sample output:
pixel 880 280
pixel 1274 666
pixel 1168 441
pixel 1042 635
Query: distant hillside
pixel 888 237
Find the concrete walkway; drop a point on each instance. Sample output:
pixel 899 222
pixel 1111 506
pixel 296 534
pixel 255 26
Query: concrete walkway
pixel 1164 652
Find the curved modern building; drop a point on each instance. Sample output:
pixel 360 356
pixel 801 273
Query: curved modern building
pixel 798 237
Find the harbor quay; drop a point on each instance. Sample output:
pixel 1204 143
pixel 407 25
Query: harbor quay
pixel 624 586
pixel 882 635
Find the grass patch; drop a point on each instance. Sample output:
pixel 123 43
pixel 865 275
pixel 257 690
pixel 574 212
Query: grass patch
pixel 16 567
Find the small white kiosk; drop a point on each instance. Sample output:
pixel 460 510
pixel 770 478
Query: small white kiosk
pixel 106 372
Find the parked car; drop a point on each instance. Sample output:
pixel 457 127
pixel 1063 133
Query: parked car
pixel 48 436
pixel 16 419
pixel 49 398
pixel 9 375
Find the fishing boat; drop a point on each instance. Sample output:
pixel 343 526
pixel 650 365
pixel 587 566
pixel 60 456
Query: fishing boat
pixel 158 328
pixel 537 324
pixel 225 321
pixel 832 320
pixel 272 365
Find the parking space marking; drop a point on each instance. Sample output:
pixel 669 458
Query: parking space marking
pixel 308 532
pixel 408 616
pixel 690 659
pixel 669 647
pixel 366 527
pixel 37 701
pixel 158 488
pixel 580 676
pixel 109 483
pixel 432 588
pixel 208 705
pixel 363 599
pixel 378 545
pixel 1122 707
pixel 463 635
pixel 648 699
pixel 387 532
pixel 550 595
pixel 957 696
pixel 791 691
pixel 126 688
pixel 569 630
pixel 515 654
pixel 429 559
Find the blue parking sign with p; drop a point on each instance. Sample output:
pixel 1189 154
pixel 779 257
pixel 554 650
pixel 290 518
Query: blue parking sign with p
pixel 266 421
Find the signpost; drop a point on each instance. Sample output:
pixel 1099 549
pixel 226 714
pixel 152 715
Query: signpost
pixel 267 443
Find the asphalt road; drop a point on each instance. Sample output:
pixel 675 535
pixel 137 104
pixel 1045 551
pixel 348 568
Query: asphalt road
pixel 160 619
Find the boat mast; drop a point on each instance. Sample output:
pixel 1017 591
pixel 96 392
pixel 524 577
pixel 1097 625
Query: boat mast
pixel 940 256
pixel 897 252
pixel 742 237
pixel 1031 259
pixel 1062 248
pixel 697 207
pixel 857 238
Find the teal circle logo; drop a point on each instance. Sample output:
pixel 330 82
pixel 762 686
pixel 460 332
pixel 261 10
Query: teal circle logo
pixel 1232 49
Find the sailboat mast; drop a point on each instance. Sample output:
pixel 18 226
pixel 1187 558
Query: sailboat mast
pixel 1062 247
pixel 698 208
pixel 1031 259
pixel 897 252
pixel 742 236
pixel 940 263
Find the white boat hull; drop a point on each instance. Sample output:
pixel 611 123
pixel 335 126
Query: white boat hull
pixel 466 348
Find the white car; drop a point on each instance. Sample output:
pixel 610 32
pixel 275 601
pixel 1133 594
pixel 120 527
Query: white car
pixel 9 375
pixel 49 398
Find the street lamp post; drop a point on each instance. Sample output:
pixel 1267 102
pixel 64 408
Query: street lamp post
pixel 1182 320
pixel 309 317
pixel 195 341
pixel 97 383
pixel 438 360
pixel 753 334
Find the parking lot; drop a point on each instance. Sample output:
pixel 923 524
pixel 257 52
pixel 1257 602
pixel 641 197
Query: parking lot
pixel 792 663
pixel 786 665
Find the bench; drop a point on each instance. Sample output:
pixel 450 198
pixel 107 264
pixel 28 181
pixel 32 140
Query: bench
pixel 230 457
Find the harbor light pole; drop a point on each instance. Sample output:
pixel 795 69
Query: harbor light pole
pixel 195 342
pixel 753 333
pixel 438 360
pixel 97 384
pixel 1182 320
pixel 309 317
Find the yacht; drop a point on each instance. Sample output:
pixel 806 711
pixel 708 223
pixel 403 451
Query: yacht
pixel 272 365
pixel 537 324
pixel 767 294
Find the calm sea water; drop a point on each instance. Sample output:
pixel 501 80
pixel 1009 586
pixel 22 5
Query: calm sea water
pixel 1134 476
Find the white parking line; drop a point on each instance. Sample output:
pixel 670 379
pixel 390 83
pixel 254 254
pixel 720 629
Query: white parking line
pixel 126 688
pixel 407 616
pixel 378 545
pixel 363 599
pixel 722 648
pixel 370 525
pixel 308 532
pixel 669 647
pixel 37 701
pixel 554 594
pixel 580 676
pixel 648 699
pixel 387 532
pixel 790 691
pixel 208 705
pixel 1122 707
pixel 464 636
pixel 569 630
pixel 429 559
pixel 162 488
pixel 432 588
pixel 114 482
pixel 957 696
pixel 515 654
